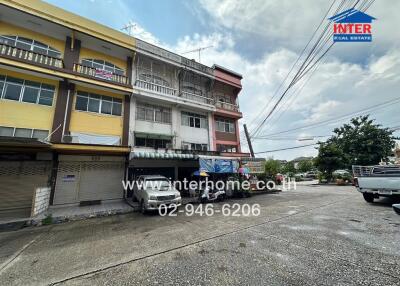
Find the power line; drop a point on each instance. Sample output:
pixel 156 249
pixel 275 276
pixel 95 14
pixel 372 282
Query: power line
pixel 304 68
pixel 295 63
pixel 331 120
pixel 289 148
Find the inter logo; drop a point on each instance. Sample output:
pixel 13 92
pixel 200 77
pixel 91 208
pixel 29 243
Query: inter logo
pixel 352 26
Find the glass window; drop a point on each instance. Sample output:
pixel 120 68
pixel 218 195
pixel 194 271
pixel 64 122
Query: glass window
pixel 1 87
pixel 6 131
pixel 30 94
pixel 94 103
pixel 12 90
pixel 81 102
pixel 106 107
pixel 40 134
pixel 140 142
pixel 140 113
pixel 46 97
pixel 23 132
pixel 194 120
pixel 117 107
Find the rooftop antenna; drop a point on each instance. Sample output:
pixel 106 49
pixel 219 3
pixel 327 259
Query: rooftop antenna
pixel 198 50
pixel 129 28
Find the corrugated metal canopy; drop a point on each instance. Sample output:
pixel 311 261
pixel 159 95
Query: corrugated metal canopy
pixel 162 156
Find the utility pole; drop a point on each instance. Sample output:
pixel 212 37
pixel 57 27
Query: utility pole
pixel 248 140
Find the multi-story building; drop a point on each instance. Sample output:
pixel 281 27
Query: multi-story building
pixel 83 105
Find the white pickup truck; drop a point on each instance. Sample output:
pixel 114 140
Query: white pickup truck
pixel 377 181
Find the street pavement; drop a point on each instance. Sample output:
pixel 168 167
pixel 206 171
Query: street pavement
pixel 315 235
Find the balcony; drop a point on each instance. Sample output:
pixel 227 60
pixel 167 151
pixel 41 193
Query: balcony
pixel 101 74
pixel 155 87
pixel 30 57
pixel 196 97
pixel 227 106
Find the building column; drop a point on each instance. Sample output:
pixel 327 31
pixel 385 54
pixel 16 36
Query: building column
pixel 62 112
pixel 237 136
pixel 71 53
pixel 125 126
pixel 211 132
pixel 176 127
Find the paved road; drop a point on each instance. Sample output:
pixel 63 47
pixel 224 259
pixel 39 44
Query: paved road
pixel 311 236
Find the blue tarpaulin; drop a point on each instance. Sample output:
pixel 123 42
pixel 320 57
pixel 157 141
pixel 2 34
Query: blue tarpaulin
pixel 218 165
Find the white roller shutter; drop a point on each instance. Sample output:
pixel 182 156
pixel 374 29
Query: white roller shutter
pixel 101 181
pixel 79 181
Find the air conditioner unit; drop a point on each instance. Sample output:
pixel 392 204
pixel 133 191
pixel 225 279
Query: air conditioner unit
pixel 185 146
pixel 70 139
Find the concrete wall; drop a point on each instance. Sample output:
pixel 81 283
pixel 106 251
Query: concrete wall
pixel 41 199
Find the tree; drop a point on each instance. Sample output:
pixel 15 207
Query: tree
pixel 363 142
pixel 329 159
pixel 272 167
pixel 360 142
pixel 305 166
pixel 288 168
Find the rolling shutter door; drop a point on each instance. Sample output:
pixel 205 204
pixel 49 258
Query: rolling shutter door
pixel 101 181
pixel 88 181
pixel 67 183
pixel 18 180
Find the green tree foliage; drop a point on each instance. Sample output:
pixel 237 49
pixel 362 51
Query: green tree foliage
pixel 360 142
pixel 363 142
pixel 329 159
pixel 305 166
pixel 272 167
pixel 288 168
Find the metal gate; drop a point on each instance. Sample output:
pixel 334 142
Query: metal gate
pixel 88 181
pixel 18 180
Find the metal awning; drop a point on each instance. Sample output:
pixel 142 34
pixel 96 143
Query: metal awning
pixel 161 156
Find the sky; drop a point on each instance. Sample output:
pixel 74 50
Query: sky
pixel 261 39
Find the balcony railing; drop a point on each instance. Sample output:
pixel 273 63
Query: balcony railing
pixel 196 97
pixel 29 56
pixel 155 87
pixel 101 74
pixel 228 106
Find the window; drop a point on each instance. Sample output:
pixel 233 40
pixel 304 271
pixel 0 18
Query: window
pixel 194 120
pixel 30 45
pixel 154 71
pixel 26 91
pixel 13 88
pixel 225 125
pixel 98 103
pixel 6 131
pixel 40 134
pixel 195 146
pixel 103 65
pixel 153 113
pixel 227 148
pixel 151 142
pixel 24 132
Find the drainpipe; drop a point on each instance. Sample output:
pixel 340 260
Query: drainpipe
pixel 65 114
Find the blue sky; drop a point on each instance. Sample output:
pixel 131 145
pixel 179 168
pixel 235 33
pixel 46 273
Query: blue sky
pixel 261 39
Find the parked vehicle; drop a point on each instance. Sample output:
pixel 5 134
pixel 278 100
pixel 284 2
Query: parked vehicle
pixel 153 190
pixel 311 175
pixel 396 208
pixel 207 195
pixel 377 181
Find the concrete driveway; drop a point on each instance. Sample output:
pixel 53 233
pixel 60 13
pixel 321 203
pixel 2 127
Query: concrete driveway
pixel 312 236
